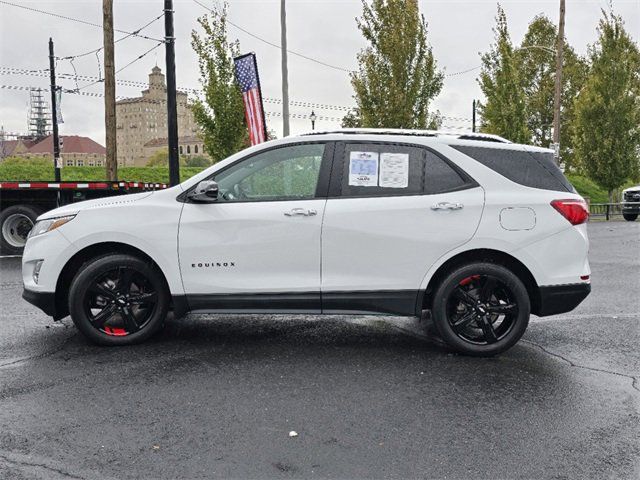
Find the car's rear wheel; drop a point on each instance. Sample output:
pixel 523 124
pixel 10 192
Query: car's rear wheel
pixel 15 224
pixel 481 309
pixel 118 300
pixel 630 217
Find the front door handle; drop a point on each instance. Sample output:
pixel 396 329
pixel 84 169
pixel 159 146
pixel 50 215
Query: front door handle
pixel 304 212
pixel 447 206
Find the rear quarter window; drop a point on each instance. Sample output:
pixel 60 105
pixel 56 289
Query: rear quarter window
pixel 531 169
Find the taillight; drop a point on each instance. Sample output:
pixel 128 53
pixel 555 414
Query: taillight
pixel 576 211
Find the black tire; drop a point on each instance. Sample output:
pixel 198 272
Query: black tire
pixel 15 224
pixel 118 299
pixel 630 217
pixel 481 309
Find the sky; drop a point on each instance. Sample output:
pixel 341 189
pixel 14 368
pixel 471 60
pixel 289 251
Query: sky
pixel 325 30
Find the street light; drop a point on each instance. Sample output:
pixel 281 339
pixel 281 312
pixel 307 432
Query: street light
pixel 313 118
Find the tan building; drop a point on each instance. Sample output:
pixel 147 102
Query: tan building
pixel 142 119
pixel 187 146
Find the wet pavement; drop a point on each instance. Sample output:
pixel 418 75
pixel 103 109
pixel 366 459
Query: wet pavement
pixel 370 397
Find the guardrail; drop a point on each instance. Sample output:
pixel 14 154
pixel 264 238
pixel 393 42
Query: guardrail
pixel 607 210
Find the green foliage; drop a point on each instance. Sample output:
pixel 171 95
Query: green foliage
pixel 197 161
pixel 220 115
pixel 397 75
pixel 588 188
pixel 160 158
pixel 504 109
pixel 30 161
pixel 15 171
pixel 607 124
pixel 537 65
pixel 352 119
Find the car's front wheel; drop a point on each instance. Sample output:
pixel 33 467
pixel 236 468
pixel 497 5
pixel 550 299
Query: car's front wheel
pixel 481 309
pixel 118 300
pixel 630 217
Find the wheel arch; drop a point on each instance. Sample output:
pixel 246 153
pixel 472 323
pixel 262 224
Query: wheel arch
pixel 484 255
pixel 86 254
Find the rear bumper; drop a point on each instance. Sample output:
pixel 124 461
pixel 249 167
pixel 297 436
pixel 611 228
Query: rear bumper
pixel 45 301
pixel 557 299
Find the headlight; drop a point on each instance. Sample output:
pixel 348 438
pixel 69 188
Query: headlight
pixel 44 226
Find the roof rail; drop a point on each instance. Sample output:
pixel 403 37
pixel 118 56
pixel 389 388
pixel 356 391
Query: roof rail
pixel 485 137
pixel 373 131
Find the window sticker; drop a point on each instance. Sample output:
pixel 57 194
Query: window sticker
pixel 363 169
pixel 394 170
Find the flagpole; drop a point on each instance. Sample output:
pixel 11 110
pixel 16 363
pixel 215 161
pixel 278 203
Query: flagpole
pixel 285 73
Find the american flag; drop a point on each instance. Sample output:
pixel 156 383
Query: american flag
pixel 247 77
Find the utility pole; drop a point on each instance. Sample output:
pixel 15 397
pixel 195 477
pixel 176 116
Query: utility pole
pixel 558 86
pixel 285 72
pixel 172 104
pixel 54 114
pixel 473 117
pixel 109 91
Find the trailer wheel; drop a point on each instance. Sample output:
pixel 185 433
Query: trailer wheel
pixel 15 224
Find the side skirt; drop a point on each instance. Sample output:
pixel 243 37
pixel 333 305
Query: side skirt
pixel 389 302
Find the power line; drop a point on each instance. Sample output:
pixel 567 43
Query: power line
pixel 297 54
pixel 127 65
pixel 134 33
pixel 299 116
pixel 463 71
pixel 132 83
pixel 77 20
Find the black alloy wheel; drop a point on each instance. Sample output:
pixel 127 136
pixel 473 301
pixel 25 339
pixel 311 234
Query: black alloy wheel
pixel 118 299
pixel 481 309
pixel 120 302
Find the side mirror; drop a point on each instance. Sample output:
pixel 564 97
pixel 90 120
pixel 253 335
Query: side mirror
pixel 205 192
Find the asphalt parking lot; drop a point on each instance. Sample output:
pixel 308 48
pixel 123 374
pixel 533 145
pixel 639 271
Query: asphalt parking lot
pixel 370 397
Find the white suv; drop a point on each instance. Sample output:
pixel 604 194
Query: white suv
pixel 479 231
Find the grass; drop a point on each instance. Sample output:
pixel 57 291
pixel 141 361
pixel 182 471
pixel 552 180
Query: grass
pixel 588 188
pixel 41 170
pixel 12 172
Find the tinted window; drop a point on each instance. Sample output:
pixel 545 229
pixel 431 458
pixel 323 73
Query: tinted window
pixel 531 169
pixel 426 173
pixel 287 173
pixel 439 176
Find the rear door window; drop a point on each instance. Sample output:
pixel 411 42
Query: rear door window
pixel 531 169
pixel 378 170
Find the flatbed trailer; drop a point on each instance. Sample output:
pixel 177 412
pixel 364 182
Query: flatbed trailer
pixel 22 202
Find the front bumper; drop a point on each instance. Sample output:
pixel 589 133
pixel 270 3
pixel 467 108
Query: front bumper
pixel 557 299
pixel 633 208
pixel 45 301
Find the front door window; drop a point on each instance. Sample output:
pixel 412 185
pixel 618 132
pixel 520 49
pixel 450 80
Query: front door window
pixel 288 173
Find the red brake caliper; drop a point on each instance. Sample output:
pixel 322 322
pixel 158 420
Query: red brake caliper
pixel 116 332
pixel 468 280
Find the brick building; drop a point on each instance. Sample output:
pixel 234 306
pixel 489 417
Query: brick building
pixel 143 119
pixel 75 151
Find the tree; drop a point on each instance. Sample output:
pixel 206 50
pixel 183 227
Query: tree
pixel 160 158
pixel 397 75
pixel 536 63
pixel 220 115
pixel 197 161
pixel 607 124
pixel 504 110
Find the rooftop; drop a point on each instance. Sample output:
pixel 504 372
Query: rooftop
pixel 70 144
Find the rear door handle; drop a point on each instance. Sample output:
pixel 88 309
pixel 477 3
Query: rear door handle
pixel 447 206
pixel 296 212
